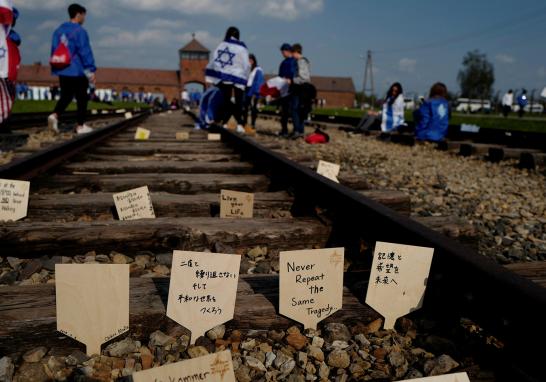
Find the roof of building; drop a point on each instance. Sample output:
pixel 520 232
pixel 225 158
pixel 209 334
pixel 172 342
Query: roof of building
pixel 194 46
pixel 121 76
pixel 330 84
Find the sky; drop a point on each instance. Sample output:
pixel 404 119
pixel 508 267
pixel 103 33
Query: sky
pixel 414 42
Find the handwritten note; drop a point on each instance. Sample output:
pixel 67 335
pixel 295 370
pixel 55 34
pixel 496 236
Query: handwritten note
pixel 234 204
pixel 398 280
pixel 214 137
pixel 217 367
pixel 128 115
pixel 202 290
pixel 311 284
pixel 92 302
pixel 328 170
pixel 142 134
pixel 182 136
pixel 457 377
pixel 134 204
pixel 13 199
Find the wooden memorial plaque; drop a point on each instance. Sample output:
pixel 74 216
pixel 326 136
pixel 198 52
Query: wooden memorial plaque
pixel 142 134
pixel 214 137
pixel 13 199
pixel 202 290
pixel 456 377
pixel 398 280
pixel 128 115
pixel 328 170
pixel 311 284
pixel 216 367
pixel 182 136
pixel 92 302
pixel 235 204
pixel 134 204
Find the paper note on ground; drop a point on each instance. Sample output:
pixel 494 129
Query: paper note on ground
pixel 142 134
pixel 328 170
pixel 235 204
pixel 134 204
pixel 128 115
pixel 182 136
pixel 398 280
pixel 13 199
pixel 214 137
pixel 92 302
pixel 202 290
pixel 311 284
pixel 457 377
pixel 216 367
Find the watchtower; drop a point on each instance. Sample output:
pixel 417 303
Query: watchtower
pixel 194 58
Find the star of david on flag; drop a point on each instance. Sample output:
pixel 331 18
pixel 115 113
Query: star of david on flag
pixel 229 59
pixel 2 52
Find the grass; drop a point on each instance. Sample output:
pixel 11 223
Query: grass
pixel 534 123
pixel 25 106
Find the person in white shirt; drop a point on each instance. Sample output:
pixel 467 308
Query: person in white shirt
pixel 507 101
pixel 393 109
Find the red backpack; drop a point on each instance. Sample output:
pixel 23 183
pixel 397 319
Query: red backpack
pixel 61 57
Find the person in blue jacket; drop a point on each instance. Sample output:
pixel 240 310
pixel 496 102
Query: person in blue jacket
pixel 432 118
pixel 75 78
pixel 287 70
pixel 522 102
pixel 252 94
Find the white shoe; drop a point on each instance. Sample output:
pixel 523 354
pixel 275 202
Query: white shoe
pixel 53 123
pixel 84 129
pixel 240 129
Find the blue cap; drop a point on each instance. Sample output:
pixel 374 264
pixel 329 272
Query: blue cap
pixel 286 46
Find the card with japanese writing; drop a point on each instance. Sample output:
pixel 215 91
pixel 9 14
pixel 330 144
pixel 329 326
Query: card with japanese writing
pixel 398 280
pixel 202 290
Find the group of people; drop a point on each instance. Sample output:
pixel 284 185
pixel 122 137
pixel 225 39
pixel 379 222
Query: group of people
pixel 431 119
pixel 508 102
pixel 10 58
pixel 239 83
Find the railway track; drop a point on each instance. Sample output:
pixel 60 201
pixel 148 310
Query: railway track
pixel 71 219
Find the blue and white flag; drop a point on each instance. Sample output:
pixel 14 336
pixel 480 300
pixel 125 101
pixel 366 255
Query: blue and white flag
pixel 229 64
pixel 6 19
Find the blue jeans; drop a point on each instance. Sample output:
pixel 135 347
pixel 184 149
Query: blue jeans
pixel 298 119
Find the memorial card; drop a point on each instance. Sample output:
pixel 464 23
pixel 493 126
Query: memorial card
pixel 328 170
pixel 142 134
pixel 235 204
pixel 311 284
pixel 398 280
pixel 92 302
pixel 214 137
pixel 202 290
pixel 182 136
pixel 134 204
pixel 216 367
pixel 13 199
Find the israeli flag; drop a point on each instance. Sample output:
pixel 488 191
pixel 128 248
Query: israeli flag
pixel 6 19
pixel 229 64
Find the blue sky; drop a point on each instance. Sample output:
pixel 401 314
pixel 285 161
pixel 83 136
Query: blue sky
pixel 416 42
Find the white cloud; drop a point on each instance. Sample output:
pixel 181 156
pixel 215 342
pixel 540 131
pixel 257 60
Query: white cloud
pixel 505 58
pixel 48 25
pixel 280 9
pixel 166 24
pixel 407 65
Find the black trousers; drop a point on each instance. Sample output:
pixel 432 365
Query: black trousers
pixel 251 105
pixel 73 87
pixel 228 108
pixel 286 112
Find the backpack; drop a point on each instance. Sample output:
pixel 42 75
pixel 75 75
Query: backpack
pixel 318 136
pixel 61 57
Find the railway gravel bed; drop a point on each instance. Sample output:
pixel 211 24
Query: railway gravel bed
pixel 505 205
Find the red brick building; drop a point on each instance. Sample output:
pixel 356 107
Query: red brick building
pixel 193 58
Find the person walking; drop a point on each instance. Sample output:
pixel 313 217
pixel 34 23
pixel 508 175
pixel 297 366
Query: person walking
pixel 507 101
pixel 252 95
pixel 73 62
pixel 522 102
pixel 229 69
pixel 287 70
pixel 393 109
pixel 300 99
pixel 432 118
